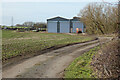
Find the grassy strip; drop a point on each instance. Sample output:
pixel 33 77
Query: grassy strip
pixel 80 67
pixel 27 43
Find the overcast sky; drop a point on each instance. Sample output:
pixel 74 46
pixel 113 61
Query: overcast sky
pixel 58 0
pixel 40 10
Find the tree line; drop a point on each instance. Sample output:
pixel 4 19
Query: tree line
pixel 100 18
pixel 33 25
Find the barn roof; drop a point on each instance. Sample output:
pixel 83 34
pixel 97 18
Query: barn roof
pixel 58 19
pixel 75 19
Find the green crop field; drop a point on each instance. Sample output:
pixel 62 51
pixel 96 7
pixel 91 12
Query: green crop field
pixel 26 43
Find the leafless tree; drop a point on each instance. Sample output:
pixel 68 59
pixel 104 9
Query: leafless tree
pixel 40 25
pixel 100 18
pixel 28 24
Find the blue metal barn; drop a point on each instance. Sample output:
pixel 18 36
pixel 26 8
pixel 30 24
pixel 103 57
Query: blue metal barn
pixel 63 25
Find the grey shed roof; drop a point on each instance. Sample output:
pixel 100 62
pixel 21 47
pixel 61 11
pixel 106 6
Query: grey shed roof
pixel 75 19
pixel 58 19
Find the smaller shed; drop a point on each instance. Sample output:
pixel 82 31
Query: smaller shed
pixel 76 23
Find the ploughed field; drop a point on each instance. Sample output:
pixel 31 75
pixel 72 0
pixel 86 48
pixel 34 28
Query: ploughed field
pixel 32 43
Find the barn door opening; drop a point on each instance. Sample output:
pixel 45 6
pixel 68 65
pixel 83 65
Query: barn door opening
pixel 58 27
pixel 71 27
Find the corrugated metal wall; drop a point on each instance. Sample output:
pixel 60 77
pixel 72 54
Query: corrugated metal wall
pixel 64 26
pixel 77 24
pixel 52 26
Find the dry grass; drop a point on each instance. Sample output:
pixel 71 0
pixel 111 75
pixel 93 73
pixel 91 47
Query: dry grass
pixel 106 63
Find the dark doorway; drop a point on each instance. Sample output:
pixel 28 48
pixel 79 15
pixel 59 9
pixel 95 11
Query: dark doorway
pixel 71 27
pixel 79 31
pixel 58 27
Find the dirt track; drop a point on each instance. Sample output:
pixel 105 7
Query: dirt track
pixel 51 64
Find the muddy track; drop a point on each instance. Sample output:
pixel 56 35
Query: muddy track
pixel 49 65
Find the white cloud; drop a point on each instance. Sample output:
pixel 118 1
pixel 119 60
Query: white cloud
pixel 58 0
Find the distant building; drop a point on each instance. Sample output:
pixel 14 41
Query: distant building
pixel 63 25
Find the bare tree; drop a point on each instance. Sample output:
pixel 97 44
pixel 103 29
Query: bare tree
pixel 28 24
pixel 100 18
pixel 40 25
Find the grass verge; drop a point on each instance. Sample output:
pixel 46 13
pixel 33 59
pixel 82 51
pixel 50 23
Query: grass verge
pixel 80 67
